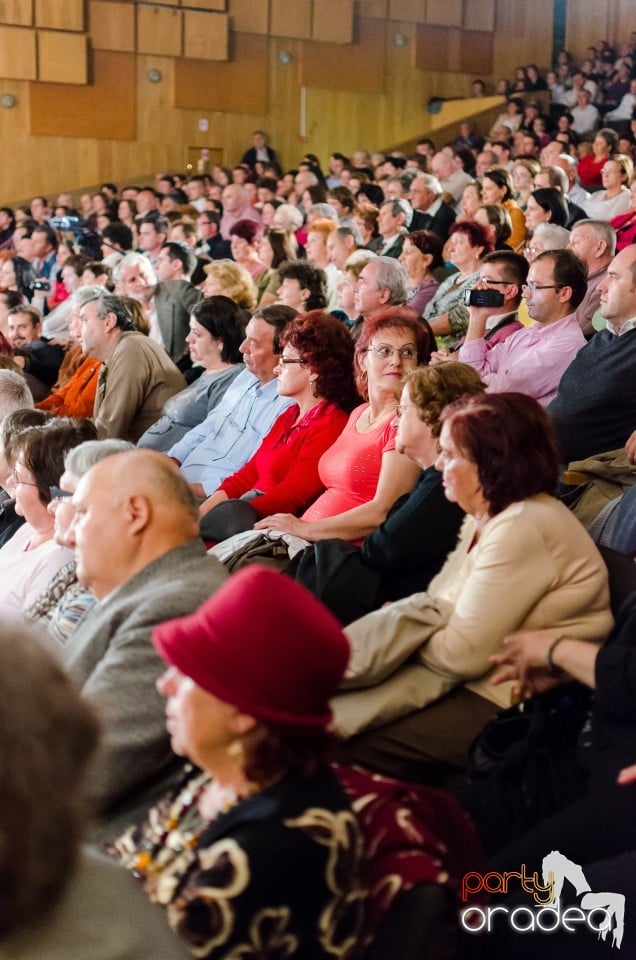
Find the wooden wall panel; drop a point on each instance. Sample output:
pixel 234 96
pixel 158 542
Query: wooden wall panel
pixel 240 86
pixel 62 57
pixel 254 90
pixel 107 105
pixel 433 47
pixel 475 52
pixel 17 12
pixel 362 66
pixel 219 5
pixel 409 11
pixel 447 13
pixel 205 35
pixel 479 15
pixel 250 16
pixel 291 18
pixel 332 21
pixel 621 23
pixel 523 34
pixel 159 31
pixel 111 25
pixel 373 8
pixel 587 22
pixel 60 14
pixel 17 53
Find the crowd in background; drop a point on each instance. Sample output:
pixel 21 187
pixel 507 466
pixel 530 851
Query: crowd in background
pixel 372 378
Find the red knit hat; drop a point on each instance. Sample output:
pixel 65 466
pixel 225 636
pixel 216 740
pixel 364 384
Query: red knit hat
pixel 264 644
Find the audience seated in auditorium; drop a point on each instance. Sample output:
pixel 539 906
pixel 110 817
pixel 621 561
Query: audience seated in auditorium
pixel 532 360
pixel 314 370
pixel 217 329
pixel 258 737
pixel 594 241
pixel 31 556
pixel 447 312
pixel 595 406
pixel 135 536
pixel 362 472
pixel 49 904
pixel 233 430
pixel 419 672
pixel 137 376
pixel 64 601
pixel 421 528
pixel 382 283
pixel 39 358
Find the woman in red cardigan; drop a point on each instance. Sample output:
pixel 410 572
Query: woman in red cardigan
pixel 315 369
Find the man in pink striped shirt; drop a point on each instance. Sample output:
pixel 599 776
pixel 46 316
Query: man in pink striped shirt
pixel 532 360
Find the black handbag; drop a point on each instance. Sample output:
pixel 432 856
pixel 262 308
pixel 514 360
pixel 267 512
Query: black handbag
pixel 525 764
pixel 227 519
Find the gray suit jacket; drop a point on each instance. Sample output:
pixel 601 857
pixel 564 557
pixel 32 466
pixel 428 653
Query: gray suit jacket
pixel 174 300
pixel 103 915
pixel 111 659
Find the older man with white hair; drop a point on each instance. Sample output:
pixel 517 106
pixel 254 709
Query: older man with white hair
pixel 430 211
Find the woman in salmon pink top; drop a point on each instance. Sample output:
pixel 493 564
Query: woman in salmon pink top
pixel 362 471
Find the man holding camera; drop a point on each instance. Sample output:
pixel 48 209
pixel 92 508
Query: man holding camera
pixel 532 360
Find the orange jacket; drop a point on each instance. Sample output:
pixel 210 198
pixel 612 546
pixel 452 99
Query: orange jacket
pixel 77 398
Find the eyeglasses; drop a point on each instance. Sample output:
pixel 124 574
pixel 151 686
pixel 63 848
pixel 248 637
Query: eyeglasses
pixel 541 286
pixel 290 360
pixel 56 493
pixel 384 352
pixel 494 283
pixel 399 410
pixel 25 483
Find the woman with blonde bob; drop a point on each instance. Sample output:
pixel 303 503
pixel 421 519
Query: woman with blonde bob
pixel 225 278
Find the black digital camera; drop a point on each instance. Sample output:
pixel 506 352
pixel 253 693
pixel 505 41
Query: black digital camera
pixel 483 298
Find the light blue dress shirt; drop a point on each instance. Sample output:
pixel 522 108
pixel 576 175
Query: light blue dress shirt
pixel 231 433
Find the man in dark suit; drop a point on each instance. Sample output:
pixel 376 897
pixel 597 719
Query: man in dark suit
pixel 259 152
pixel 430 211
pixel 175 296
pixel 393 223
pixel 136 538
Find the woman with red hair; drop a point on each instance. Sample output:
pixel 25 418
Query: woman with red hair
pixel 523 561
pixel 244 243
pixel 315 369
pixel 447 312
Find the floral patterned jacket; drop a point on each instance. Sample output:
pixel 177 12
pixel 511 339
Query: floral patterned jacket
pixel 274 878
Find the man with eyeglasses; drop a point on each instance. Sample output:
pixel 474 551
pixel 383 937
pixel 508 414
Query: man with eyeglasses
pixel 532 360
pixel 504 272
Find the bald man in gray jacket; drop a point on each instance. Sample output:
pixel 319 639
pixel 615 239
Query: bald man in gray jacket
pixel 137 547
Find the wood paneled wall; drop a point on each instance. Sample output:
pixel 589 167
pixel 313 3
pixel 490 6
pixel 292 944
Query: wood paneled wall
pixel 345 83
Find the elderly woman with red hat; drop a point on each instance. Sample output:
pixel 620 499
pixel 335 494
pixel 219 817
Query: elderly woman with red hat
pixel 257 853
